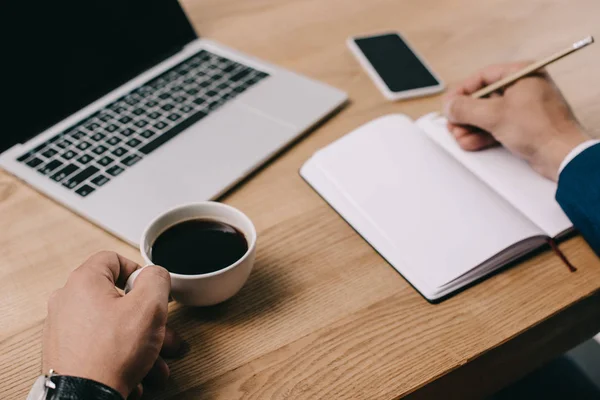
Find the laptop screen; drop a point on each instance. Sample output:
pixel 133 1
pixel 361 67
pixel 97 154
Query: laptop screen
pixel 63 55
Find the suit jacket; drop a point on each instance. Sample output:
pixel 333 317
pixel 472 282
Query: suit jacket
pixel 579 194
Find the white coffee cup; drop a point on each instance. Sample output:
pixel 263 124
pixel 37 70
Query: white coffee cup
pixel 202 289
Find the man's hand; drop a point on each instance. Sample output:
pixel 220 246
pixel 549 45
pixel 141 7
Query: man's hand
pixel 530 118
pixel 93 331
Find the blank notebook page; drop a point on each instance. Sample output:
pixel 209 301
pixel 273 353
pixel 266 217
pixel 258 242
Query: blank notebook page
pixel 430 217
pixel 511 177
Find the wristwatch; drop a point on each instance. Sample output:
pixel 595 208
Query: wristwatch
pixel 63 387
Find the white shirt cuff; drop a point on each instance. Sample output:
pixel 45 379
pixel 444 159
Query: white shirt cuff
pixel 575 152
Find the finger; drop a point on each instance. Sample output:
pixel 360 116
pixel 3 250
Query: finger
pixel 480 113
pixel 158 375
pixel 172 344
pixel 459 131
pixel 486 77
pixel 114 267
pixel 476 141
pixel 472 139
pixel 137 393
pixel 151 291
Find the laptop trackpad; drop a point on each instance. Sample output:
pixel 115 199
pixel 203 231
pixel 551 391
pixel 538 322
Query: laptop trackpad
pixel 203 161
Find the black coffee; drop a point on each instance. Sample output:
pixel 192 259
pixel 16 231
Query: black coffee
pixel 198 246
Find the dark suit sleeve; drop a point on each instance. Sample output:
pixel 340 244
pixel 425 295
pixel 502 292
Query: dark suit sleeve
pixel 579 194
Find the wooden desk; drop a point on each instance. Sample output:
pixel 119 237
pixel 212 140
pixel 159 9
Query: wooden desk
pixel 323 316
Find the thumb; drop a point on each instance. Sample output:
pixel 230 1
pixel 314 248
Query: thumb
pixel 480 113
pixel 151 289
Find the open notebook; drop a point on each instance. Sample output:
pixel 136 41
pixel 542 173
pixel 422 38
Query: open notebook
pixel 442 217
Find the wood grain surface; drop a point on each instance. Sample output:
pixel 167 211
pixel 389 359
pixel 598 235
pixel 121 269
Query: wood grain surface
pixel 323 316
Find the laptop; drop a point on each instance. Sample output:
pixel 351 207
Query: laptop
pixel 120 112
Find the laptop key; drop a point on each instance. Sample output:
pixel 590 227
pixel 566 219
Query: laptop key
pixel 167 107
pixel 98 136
pixel 84 190
pixel 104 161
pixel 141 123
pixel 130 160
pixel 213 105
pixel 114 140
pixel 159 83
pixel 143 92
pixel 67 155
pixel 148 133
pixel 115 170
pixel 127 132
pixel 25 156
pixel 154 115
pixel 100 149
pixel 160 125
pixel 100 180
pixel 125 119
pixel 119 151
pixel 105 117
pixel 174 117
pixel 111 128
pixel 132 100
pixel 229 68
pixel 84 159
pixel 77 134
pixel 170 134
pixel 64 144
pixel 51 166
pixel 83 145
pixel 240 75
pixel 92 127
pixel 138 111
pixel 64 172
pixel 80 177
pixel 49 153
pixel 34 162
pixel 133 142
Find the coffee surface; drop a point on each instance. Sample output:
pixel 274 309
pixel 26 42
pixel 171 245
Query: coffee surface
pixel 198 246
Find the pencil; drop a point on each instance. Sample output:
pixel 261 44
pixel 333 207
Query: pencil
pixel 532 68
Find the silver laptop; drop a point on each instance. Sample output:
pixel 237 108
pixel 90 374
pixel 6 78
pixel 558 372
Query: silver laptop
pixel 129 114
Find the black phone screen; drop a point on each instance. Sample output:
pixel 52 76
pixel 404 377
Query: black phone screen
pixel 395 62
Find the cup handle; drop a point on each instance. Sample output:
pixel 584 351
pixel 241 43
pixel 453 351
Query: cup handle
pixel 132 278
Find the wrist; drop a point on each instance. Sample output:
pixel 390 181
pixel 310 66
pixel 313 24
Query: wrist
pixel 548 158
pixel 101 377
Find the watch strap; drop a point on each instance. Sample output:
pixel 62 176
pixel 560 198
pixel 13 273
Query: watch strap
pixel 74 388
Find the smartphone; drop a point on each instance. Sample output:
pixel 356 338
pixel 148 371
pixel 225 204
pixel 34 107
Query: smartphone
pixel 395 67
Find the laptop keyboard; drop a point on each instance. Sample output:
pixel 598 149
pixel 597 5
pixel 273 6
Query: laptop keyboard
pixel 91 153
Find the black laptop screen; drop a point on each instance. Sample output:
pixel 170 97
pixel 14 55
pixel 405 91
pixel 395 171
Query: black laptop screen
pixel 63 55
